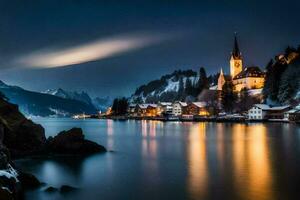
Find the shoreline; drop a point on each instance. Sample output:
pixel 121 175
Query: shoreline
pixel 198 119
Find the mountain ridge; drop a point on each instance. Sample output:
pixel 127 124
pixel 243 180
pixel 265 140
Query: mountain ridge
pixel 100 103
pixel 40 104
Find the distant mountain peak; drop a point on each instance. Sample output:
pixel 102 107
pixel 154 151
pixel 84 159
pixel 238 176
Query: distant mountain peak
pixel 83 96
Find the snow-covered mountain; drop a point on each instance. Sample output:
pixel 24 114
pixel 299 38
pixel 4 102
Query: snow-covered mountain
pixel 41 104
pixel 102 103
pixel 79 96
pixel 167 88
pixel 99 103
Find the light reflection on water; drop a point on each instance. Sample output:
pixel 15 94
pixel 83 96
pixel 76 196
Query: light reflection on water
pixel 197 161
pixel 156 160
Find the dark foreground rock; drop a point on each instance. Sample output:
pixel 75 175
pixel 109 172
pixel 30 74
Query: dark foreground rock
pixel 10 186
pixel 28 181
pixel 51 189
pixel 72 142
pixel 64 189
pixel 20 137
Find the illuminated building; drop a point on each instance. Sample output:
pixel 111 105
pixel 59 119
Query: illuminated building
pixel 249 77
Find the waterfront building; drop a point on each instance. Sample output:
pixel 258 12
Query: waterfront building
pixel 264 112
pixel 177 107
pixel 293 114
pixel 164 108
pixel 131 108
pixel 258 112
pixel 196 108
pixel 145 110
pixel 151 110
pixel 140 109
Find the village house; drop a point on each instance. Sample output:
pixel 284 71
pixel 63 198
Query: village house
pixel 151 110
pixel 264 112
pixel 140 109
pixel 131 109
pixel 293 114
pixel 277 112
pixel 258 112
pixel 145 110
pixel 177 107
pixel 196 108
pixel 164 108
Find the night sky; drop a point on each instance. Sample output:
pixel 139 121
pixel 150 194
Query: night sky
pixel 111 47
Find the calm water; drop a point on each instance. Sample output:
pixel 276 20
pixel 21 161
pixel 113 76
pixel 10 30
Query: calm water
pixel 156 160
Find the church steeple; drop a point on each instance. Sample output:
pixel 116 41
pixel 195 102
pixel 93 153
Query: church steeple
pixel 221 80
pixel 236 54
pixel 236 62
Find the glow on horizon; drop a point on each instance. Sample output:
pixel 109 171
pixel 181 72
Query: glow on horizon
pixel 97 50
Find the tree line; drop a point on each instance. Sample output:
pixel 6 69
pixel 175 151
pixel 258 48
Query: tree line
pixel 283 77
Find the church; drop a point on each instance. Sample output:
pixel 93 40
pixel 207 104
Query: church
pixel 249 77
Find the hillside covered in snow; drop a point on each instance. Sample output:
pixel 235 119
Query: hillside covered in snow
pixel 178 85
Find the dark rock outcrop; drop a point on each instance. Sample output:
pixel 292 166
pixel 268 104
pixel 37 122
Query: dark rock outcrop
pixel 20 135
pixel 10 186
pixel 28 181
pixel 66 189
pixel 72 142
pixel 51 189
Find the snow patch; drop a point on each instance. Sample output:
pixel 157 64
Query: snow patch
pixel 9 173
pixel 254 92
pixel 59 112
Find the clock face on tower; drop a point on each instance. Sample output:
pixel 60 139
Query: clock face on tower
pixel 237 64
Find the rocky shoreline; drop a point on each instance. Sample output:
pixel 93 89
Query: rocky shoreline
pixel 20 138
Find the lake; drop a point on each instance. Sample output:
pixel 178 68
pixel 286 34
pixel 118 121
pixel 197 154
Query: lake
pixel 175 160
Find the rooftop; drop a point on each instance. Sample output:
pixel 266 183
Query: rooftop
pixel 199 104
pixel 250 72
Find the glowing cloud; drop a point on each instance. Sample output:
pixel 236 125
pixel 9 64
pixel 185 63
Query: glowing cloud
pixel 96 50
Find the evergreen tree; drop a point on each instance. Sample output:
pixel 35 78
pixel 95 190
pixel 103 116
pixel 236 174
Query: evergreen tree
pixel 289 83
pixel 273 77
pixel 115 106
pixel 289 50
pixel 269 79
pixel 180 86
pixel 120 106
pixel 203 82
pixel 244 100
pixel 180 95
pixel 228 97
pixel 189 89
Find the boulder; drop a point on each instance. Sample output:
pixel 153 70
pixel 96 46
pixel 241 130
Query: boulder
pixel 28 181
pixel 66 189
pixel 51 189
pixel 20 135
pixel 72 142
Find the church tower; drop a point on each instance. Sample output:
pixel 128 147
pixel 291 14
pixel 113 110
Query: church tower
pixel 236 63
pixel 221 80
